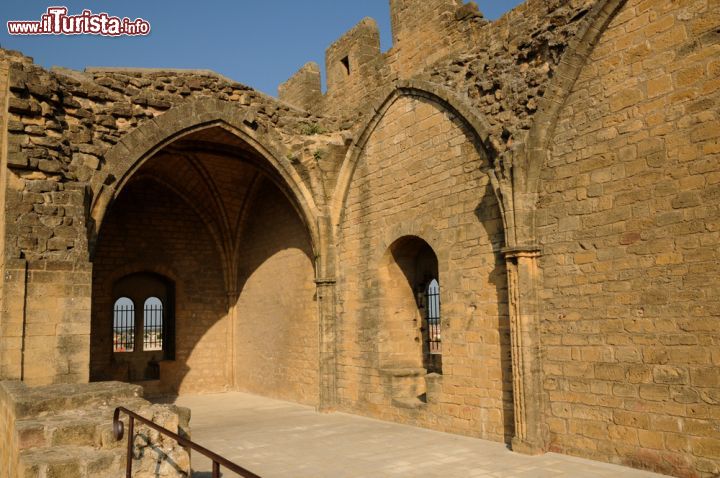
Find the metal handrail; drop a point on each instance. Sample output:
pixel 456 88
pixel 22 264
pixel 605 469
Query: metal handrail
pixel 119 428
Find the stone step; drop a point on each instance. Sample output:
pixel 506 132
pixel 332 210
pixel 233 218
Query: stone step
pixel 58 435
pixel 61 431
pixel 72 462
pixel 91 427
pixel 37 401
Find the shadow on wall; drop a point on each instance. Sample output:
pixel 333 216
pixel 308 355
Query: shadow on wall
pixel 277 333
pixel 488 215
pixel 152 228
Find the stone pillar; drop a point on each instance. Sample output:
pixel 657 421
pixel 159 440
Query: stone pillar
pixel 45 315
pixel 327 359
pixel 12 319
pixel 327 333
pixel 522 270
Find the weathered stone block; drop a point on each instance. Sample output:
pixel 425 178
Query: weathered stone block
pixel 49 166
pixel 22 107
pixel 670 374
pixel 18 159
pixel 59 243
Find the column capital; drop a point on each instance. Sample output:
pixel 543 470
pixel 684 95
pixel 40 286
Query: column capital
pixel 530 250
pixel 325 281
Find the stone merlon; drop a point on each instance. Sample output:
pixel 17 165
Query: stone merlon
pixel 349 55
pixel 303 89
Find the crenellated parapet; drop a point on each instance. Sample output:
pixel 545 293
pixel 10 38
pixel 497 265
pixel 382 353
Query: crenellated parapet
pixel 353 64
pixel 423 33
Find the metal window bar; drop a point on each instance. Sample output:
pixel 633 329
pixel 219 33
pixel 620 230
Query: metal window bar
pixel 432 299
pixel 123 328
pixel 153 327
pixel 217 460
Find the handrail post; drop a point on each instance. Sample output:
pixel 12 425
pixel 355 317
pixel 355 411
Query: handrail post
pixel 182 441
pixel 131 433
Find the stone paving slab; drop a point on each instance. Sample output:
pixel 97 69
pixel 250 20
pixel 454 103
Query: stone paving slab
pixel 277 439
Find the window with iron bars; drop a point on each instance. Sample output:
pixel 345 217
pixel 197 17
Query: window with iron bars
pixel 124 325
pixel 153 324
pixel 124 328
pixel 432 353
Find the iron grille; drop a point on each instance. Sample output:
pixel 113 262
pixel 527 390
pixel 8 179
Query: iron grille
pixel 432 299
pixel 123 327
pixel 153 325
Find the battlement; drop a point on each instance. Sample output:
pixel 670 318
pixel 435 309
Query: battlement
pixel 303 89
pixel 351 54
pixel 423 32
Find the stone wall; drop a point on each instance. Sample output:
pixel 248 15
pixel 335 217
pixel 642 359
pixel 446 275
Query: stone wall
pixel 56 331
pixel 152 229
pixel 4 343
pixel 276 312
pixel 501 68
pixel 60 128
pixel 9 450
pixel 511 65
pixel 423 32
pixel 419 174
pixel 62 123
pixel 628 220
pixel 303 89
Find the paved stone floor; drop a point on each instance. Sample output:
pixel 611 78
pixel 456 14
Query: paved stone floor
pixel 277 439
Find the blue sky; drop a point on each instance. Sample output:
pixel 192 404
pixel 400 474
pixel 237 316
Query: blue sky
pixel 260 43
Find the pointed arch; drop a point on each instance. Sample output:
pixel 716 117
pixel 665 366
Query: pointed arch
pixel 448 100
pixel 139 145
pixel 551 104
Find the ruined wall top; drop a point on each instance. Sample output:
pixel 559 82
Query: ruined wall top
pixel 439 39
pixel 62 123
pixel 499 67
pixel 423 31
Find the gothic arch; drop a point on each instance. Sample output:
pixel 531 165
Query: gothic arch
pixel 448 100
pixel 137 146
pixel 394 233
pixel 551 105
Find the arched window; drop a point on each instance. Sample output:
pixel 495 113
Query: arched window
pixel 143 325
pixel 153 324
pixel 411 298
pixel 432 316
pixel 123 325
